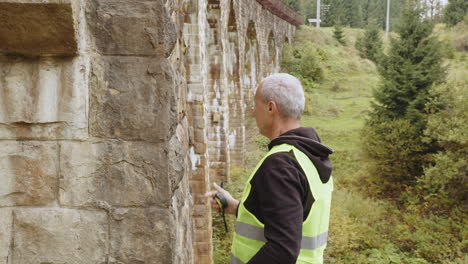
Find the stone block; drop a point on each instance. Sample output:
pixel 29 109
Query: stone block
pixel 140 27
pixel 6 221
pixel 53 235
pixel 201 210
pixel 114 173
pixel 203 248
pixel 177 157
pixel 141 236
pixel 202 235
pixel 204 259
pixel 28 173
pixel 37 28
pixel 200 199
pixel 198 187
pixel 42 98
pixel 200 148
pixel 199 135
pixel 199 122
pixel 182 224
pixel 132 98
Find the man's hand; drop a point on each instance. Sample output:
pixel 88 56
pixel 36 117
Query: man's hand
pixel 232 203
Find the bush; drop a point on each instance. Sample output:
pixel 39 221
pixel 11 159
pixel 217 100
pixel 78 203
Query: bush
pixel 370 44
pixel 448 127
pixel 455 11
pixel 303 61
pixel 338 34
pixel 397 154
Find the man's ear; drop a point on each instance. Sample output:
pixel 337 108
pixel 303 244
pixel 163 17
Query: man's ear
pixel 271 106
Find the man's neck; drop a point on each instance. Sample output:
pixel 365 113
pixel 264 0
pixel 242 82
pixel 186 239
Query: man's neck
pixel 283 127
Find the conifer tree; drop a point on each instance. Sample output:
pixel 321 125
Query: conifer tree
pixel 294 4
pixel 354 15
pixel 455 11
pixel 394 132
pixel 338 34
pixel 370 44
pixel 413 65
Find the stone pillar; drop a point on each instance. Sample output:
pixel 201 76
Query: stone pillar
pixel 195 23
pixel 236 137
pixel 93 133
pixel 217 94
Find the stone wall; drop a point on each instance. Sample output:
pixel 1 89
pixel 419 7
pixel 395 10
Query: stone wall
pixel 116 116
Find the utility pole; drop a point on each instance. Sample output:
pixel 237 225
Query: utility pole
pixel 318 14
pixel 387 24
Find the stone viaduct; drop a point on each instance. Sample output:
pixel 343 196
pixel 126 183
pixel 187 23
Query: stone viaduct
pixel 115 117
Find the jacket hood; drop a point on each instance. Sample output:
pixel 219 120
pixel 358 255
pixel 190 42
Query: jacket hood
pixel 307 140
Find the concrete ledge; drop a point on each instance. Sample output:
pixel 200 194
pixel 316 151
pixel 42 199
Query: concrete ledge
pixel 282 11
pixel 37 28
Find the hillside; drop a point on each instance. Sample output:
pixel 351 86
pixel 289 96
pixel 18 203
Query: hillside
pixel 364 228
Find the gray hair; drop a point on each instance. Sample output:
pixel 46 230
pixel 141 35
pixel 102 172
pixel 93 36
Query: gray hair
pixel 286 91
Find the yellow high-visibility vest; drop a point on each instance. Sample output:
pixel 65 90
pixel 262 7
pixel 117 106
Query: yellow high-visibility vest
pixel 249 234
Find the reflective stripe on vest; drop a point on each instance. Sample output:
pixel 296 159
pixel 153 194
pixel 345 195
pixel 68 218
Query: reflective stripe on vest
pixel 235 260
pixel 249 234
pixel 256 233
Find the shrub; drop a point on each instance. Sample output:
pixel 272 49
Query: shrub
pixel 396 151
pixel 455 11
pixel 448 127
pixel 338 34
pixel 303 61
pixel 370 44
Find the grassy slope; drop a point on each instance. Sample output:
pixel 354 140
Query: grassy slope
pixel 362 229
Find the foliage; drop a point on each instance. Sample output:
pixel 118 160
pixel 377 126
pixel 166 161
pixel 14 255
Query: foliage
pixel 448 127
pixel 360 13
pixel 455 11
pixel 370 44
pixel 396 153
pixel 413 65
pixel 294 4
pixel 303 61
pixel 394 131
pixel 338 34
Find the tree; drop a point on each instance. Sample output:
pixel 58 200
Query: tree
pixel 338 34
pixel 354 15
pixel 374 12
pixel 455 11
pixel 294 4
pixel 413 65
pixel 336 14
pixel 394 132
pixel 370 44
pixel 448 127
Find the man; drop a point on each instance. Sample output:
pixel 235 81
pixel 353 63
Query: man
pixel 284 211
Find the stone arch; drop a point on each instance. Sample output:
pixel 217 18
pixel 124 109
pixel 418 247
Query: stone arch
pixel 251 61
pixel 272 54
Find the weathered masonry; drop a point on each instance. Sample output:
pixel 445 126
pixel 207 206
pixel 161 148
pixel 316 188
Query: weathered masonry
pixel 115 117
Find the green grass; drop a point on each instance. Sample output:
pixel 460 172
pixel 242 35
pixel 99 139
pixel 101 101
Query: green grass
pixel 363 229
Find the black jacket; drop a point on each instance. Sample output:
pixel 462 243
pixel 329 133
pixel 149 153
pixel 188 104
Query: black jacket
pixel 280 196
